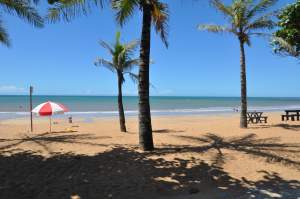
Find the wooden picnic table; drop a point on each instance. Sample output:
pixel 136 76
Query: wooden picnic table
pixel 256 117
pixel 297 112
pixel 291 114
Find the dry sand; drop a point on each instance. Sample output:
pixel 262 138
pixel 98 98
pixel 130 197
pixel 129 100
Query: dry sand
pixel 195 157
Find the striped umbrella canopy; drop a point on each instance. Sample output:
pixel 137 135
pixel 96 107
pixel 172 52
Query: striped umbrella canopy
pixel 49 108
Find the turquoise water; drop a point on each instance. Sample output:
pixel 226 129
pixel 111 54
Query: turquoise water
pixel 17 106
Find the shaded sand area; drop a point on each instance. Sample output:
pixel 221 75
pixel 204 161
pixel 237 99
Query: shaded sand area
pixel 197 157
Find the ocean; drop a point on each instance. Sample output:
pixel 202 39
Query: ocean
pixel 12 106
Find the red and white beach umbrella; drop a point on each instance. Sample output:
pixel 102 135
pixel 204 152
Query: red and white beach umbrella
pixel 49 109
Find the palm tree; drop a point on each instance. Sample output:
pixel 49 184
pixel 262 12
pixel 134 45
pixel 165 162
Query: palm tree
pixel 24 10
pixel 121 64
pixel 153 12
pixel 156 13
pixel 245 19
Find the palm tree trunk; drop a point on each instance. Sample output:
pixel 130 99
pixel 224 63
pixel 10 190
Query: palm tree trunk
pixel 145 127
pixel 243 119
pixel 120 102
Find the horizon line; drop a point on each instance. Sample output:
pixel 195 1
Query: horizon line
pixel 84 95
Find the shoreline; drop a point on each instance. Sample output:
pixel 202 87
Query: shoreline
pixel 109 115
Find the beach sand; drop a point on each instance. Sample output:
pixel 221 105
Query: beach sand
pixel 195 157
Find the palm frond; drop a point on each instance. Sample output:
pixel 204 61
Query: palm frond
pixel 118 36
pixel 130 64
pixel 69 9
pixel 24 10
pixel 260 34
pixel 124 9
pixel 247 40
pixel 107 64
pixel 133 77
pixel 107 47
pixel 245 18
pixel 261 23
pixel 215 28
pixel 132 46
pixel 121 55
pixel 4 38
pixel 160 15
pixel 226 10
pixel 262 6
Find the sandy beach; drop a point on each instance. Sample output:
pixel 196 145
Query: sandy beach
pixel 195 157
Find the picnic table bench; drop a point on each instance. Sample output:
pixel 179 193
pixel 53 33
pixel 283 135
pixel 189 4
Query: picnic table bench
pixel 291 114
pixel 256 117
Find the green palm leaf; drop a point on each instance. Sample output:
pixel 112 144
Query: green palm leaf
pixel 121 56
pixel 4 39
pixel 22 9
pixel 160 14
pixel 262 6
pixel 124 8
pixel 107 64
pixel 215 28
pixel 69 9
pixel 226 10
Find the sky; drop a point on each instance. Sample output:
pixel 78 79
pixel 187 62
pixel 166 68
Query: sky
pixel 58 59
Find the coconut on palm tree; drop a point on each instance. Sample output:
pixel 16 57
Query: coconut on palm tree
pixel 245 19
pixel 122 64
pixel 154 13
pixel 24 10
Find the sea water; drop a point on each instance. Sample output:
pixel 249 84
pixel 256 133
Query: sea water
pixel 12 106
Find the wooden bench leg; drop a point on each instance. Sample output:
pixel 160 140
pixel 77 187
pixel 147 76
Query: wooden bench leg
pixel 292 118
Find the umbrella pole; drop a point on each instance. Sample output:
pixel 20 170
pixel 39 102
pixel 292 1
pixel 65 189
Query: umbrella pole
pixel 50 123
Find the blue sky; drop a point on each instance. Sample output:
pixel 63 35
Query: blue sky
pixel 58 59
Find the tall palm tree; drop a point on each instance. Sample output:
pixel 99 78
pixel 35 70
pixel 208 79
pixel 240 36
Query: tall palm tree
pixel 24 10
pixel 122 63
pixel 156 13
pixel 245 19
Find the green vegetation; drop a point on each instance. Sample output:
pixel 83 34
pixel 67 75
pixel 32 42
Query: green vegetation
pixel 287 37
pixel 69 9
pixel 122 63
pixel 24 10
pixel 245 19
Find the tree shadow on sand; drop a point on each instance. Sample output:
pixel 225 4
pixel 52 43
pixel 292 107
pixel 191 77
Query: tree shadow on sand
pixel 125 173
pixel 167 131
pixel 44 139
pixel 293 127
pixel 268 149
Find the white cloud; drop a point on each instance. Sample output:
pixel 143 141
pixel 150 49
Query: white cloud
pixel 11 89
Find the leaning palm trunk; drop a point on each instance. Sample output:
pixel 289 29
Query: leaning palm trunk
pixel 120 103
pixel 145 127
pixel 243 122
